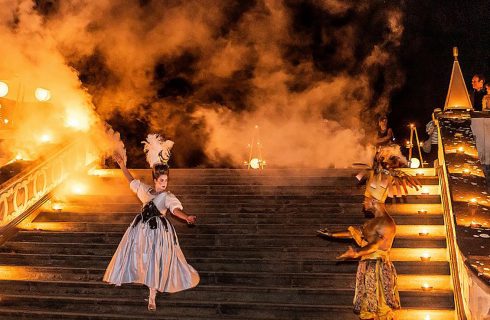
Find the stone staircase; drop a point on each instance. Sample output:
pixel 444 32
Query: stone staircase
pixel 254 246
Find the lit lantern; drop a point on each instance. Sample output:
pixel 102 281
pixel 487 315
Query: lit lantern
pixel 475 224
pixel 255 163
pixel 425 257
pixel 4 89
pixel 42 94
pixel 473 202
pixel 414 163
pixel 57 206
pixel 426 287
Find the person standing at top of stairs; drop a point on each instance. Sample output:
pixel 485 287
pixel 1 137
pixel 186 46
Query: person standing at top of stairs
pixel 149 252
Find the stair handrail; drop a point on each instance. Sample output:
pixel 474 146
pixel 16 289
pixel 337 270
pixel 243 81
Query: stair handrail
pixel 25 189
pixel 450 229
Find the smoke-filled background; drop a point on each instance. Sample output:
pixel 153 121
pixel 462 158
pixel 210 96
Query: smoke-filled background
pixel 307 77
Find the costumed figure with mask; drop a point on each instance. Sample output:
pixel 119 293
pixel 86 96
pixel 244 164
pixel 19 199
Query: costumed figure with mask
pixel 149 252
pixel 376 295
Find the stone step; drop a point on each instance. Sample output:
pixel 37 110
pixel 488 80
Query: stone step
pixel 297 296
pixel 171 309
pixel 439 283
pixel 337 186
pixel 238 229
pixel 263 200
pixel 306 241
pixel 405 249
pixel 240 218
pixel 13 313
pixel 226 208
pixel 228 264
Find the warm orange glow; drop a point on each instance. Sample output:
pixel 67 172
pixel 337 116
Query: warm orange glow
pixel 78 188
pixel 424 190
pixel 460 150
pixel 77 119
pixel 255 163
pixel 18 156
pixel 57 206
pixel 422 211
pixel 46 138
pixel 4 89
pixel 475 224
pixel 42 94
pixel 466 171
pixel 424 232
pixel 425 257
pixel 6 121
pixel 426 287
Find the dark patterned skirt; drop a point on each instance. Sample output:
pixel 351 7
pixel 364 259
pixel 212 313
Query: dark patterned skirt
pixel 376 288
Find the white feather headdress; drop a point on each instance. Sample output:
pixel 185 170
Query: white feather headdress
pixel 157 149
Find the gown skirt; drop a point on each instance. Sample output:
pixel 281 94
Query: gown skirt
pixel 151 257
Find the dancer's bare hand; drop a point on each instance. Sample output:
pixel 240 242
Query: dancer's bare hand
pixel 191 219
pixel 349 254
pixel 119 159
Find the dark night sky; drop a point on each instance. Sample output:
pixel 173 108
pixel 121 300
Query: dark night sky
pixel 432 28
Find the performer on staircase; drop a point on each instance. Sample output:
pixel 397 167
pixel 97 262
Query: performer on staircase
pixel 149 252
pixel 376 294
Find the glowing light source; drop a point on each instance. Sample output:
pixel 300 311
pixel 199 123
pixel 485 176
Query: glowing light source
pixel 425 191
pixel 419 173
pixel 46 138
pixel 77 119
pixel 6 121
pixel 4 89
pixel 42 94
pixel 414 163
pixel 475 224
pixel 422 211
pixel 473 202
pixel 423 232
pixel 57 206
pixel 466 172
pixel 460 150
pixel 427 317
pixel 425 257
pixel 78 188
pixel 426 287
pixel 18 156
pixel 255 163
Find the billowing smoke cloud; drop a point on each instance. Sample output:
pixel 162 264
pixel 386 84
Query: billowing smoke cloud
pixel 310 74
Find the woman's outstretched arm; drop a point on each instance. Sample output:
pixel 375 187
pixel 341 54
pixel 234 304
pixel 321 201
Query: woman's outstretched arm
pixel 117 157
pixel 182 215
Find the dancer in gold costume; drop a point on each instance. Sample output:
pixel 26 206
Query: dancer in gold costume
pixel 376 295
